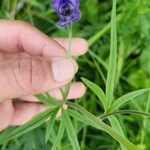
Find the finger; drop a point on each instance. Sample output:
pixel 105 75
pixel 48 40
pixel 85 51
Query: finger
pixel 19 36
pixel 23 112
pixel 6 114
pixel 77 90
pixel 27 76
pixel 79 46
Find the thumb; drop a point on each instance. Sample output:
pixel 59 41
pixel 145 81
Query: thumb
pixel 34 75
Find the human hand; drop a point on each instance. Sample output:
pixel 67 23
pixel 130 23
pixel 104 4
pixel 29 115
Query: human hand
pixel 31 63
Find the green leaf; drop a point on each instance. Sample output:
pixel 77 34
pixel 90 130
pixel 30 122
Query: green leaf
pixel 115 124
pixel 47 99
pixel 30 125
pixel 126 98
pixel 52 100
pixel 78 116
pixel 112 58
pixel 100 33
pixel 42 98
pixel 50 124
pixel 59 134
pixel 71 131
pixel 97 91
pixel 104 127
pixel 99 59
pixel 65 92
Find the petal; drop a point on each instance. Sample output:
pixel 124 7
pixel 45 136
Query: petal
pixel 55 4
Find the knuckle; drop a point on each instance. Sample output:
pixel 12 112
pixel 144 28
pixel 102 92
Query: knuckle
pixel 31 74
pixel 28 75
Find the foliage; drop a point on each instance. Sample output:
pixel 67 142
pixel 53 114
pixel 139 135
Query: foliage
pixel 120 63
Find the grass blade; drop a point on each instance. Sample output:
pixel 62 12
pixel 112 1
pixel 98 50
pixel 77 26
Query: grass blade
pixel 30 125
pixel 59 134
pixel 71 131
pixel 126 98
pixel 97 91
pixel 112 58
pixel 50 124
pixel 100 34
pixel 99 59
pixel 95 120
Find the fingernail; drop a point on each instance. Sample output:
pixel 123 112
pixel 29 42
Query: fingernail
pixel 63 70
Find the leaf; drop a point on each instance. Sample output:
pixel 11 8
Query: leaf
pixel 115 124
pixel 78 116
pixel 42 98
pixel 112 58
pixel 59 134
pixel 97 91
pixel 71 131
pixel 65 92
pixel 100 33
pixel 30 125
pixel 104 127
pixel 50 124
pixel 125 98
pixel 99 59
pixel 52 100
pixel 47 99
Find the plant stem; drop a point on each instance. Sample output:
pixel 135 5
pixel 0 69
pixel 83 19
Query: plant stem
pixel 67 88
pixel 104 116
pixel 13 11
pixel 69 40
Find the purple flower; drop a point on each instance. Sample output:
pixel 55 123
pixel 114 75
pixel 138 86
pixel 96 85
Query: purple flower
pixel 67 10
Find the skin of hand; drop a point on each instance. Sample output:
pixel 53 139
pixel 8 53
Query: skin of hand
pixel 31 63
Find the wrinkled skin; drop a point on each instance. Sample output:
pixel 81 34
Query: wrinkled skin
pixel 27 58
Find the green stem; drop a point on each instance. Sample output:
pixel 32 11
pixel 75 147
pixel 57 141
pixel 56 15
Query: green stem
pixel 13 11
pixel 104 116
pixel 69 39
pixel 65 92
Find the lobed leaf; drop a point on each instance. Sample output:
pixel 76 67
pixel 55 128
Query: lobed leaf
pixel 78 116
pixel 102 126
pixel 60 133
pixel 50 124
pixel 97 91
pixel 126 98
pixel 71 131
pixel 47 99
pixel 115 124
pixel 30 125
pixel 112 58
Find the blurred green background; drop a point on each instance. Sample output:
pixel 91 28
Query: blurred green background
pixel 133 69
